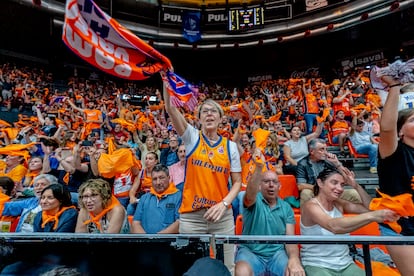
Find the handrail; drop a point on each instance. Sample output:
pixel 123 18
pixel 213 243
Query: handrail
pixel 181 240
pixel 365 241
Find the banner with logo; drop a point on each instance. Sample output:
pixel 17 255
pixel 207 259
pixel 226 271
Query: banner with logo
pixel 191 26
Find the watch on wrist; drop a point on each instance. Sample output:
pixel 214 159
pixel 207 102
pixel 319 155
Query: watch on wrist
pixel 225 203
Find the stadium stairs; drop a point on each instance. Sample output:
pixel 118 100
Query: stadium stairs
pixel 361 168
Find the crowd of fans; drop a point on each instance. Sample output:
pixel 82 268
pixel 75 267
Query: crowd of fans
pixel 109 151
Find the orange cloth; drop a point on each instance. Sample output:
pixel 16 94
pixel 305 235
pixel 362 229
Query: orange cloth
pixel 260 135
pixel 11 132
pixel 17 149
pixel 401 204
pixel 275 118
pixel 46 218
pixel 4 123
pixel 118 162
pixel 111 145
pixel 96 219
pixel 17 173
pixel 3 199
pixel 169 191
pixel 125 124
pixel 325 114
pixel 379 268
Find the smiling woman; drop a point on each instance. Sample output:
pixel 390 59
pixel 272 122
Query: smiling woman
pixel 323 215
pixel 58 212
pixel 213 159
pixel 100 211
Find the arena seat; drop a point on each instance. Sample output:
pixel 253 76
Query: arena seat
pixel 353 151
pixel 239 225
pixel 330 139
pixel 289 187
pixel 297 224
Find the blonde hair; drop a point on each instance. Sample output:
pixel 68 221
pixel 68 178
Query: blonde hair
pixel 98 186
pixel 212 103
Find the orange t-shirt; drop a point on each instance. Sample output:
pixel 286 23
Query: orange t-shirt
pixel 312 104
pixel 93 115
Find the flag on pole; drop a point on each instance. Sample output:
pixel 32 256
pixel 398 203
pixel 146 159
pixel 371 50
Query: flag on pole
pixel 104 43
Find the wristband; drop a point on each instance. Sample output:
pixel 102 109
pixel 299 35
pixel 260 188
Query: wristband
pixel 225 204
pixel 394 85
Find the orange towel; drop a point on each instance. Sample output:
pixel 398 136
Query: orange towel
pixel 401 204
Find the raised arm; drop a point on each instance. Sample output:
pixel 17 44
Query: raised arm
pixel 388 124
pixel 40 116
pixel 74 106
pixel 316 133
pixel 253 185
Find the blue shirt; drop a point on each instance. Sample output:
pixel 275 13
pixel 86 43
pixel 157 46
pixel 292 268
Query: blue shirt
pixel 67 222
pixel 261 219
pixel 156 215
pixel 20 208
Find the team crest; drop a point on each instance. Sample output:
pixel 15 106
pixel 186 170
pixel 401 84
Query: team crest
pixel 220 150
pixel 211 154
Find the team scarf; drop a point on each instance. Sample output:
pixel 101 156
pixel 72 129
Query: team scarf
pixel 104 43
pixel 97 219
pixel 46 217
pixel 172 189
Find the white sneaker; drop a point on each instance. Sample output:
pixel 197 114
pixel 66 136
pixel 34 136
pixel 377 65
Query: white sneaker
pixel 373 170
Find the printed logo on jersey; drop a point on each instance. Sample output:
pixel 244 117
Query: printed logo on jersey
pixel 221 150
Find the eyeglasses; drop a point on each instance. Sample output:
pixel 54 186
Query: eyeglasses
pixel 268 181
pixel 40 184
pixel 212 110
pixel 91 197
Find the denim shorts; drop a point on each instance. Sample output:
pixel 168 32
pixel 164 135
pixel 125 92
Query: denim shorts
pixel 274 265
pixel 385 231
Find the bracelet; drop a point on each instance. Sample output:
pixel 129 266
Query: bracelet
pixel 394 85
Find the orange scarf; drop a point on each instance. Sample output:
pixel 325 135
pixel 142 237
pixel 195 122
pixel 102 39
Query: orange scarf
pixel 169 191
pixel 46 218
pixel 32 175
pixel 96 219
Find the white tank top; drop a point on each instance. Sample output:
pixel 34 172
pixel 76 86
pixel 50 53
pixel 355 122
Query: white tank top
pixel 333 256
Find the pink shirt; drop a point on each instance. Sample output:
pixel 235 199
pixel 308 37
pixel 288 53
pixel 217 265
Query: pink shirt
pixel 177 173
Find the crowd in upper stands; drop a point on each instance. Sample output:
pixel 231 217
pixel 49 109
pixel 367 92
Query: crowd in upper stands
pixel 104 147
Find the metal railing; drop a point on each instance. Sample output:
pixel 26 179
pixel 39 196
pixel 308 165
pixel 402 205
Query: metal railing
pixel 183 240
